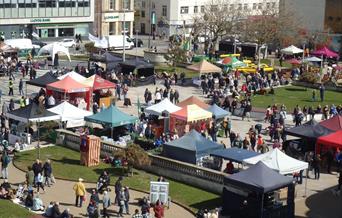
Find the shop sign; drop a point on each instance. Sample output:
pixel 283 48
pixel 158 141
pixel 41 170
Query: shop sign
pixel 111 17
pixel 39 20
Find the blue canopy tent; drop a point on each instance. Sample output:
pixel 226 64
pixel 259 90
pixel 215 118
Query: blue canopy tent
pixel 247 194
pixel 111 117
pixel 234 154
pixel 190 148
pixel 218 112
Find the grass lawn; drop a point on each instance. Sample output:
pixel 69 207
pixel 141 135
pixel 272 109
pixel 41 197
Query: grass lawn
pixel 11 210
pixel 293 95
pixel 65 165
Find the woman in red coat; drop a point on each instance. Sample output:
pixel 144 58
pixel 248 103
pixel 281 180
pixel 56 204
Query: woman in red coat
pixel 158 210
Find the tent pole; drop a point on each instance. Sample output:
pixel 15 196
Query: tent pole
pixel 262 205
pixel 38 145
pixel 111 132
pixel 306 181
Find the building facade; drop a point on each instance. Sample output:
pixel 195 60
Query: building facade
pixel 112 15
pixel 47 18
pixel 333 16
pixel 174 16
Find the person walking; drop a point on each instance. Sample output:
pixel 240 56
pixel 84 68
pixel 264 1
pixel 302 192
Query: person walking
pixel 29 178
pixel 39 182
pixel 106 204
pixel 176 95
pixel 22 102
pixel 80 191
pixel 316 164
pixel 321 92
pixel 37 168
pixel 21 87
pixel 5 160
pixel 126 201
pixel 10 87
pixel 158 210
pixel 117 189
pixel 47 172
pixel 121 202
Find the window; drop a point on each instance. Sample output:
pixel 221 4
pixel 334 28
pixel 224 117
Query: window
pixel 143 4
pixel 142 13
pixel 268 5
pixel 202 9
pixel 127 4
pixel 254 6
pixel 153 5
pixel 26 5
pixel 239 6
pixel 184 10
pixel 8 5
pixel 112 4
pixel 231 7
pixel 214 8
pixel 164 10
pixel 273 4
pixel 245 6
pixel 112 28
pixel 260 6
pixel 195 9
pixel 83 4
pixel 47 3
pixel 67 4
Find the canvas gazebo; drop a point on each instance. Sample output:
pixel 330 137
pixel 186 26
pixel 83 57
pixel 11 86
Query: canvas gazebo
pixel 332 141
pixel 234 154
pixel 326 53
pixel 218 113
pixel 70 89
pixel 76 76
pixel 111 117
pixel 193 100
pixel 291 50
pixel 188 118
pixel 165 106
pixel 190 147
pixel 204 67
pixel 42 81
pixel 98 83
pixel 247 193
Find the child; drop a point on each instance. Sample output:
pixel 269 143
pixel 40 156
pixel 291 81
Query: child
pixel 39 182
pixel 313 95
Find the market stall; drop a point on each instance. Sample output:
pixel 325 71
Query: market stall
pixel 42 81
pixel 218 113
pixel 69 89
pixel 76 76
pixel 108 60
pixel 143 71
pixel 188 118
pixel 204 67
pixel 54 48
pixel 71 115
pixel 258 192
pixel 234 154
pixel 326 53
pixel 191 148
pixel 111 117
pixel 291 50
pixel 334 123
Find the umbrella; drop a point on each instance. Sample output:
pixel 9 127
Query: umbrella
pixel 312 59
pixel 294 61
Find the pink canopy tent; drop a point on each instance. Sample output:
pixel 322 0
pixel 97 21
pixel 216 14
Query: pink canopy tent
pixel 294 61
pixel 325 52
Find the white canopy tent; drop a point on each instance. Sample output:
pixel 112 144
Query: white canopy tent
pixel 291 50
pixel 99 43
pixel 279 161
pixel 53 49
pixel 312 59
pixel 74 116
pixel 76 76
pixel 164 106
pixel 19 43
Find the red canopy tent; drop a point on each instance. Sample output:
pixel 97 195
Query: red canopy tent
pixel 325 52
pixel 193 100
pixel 98 83
pixel 334 123
pixel 333 140
pixel 71 87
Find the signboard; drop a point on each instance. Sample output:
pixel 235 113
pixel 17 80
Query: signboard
pixel 40 20
pixel 159 191
pixel 111 17
pixel 153 17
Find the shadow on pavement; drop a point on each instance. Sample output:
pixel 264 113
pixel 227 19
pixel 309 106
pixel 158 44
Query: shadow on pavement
pixel 210 204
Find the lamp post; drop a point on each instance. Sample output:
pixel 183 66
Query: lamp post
pixel 124 32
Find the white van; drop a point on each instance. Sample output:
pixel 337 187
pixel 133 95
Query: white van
pixel 116 42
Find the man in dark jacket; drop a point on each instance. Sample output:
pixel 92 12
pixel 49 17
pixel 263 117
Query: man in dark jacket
pixel 47 172
pixel 118 186
pixel 37 168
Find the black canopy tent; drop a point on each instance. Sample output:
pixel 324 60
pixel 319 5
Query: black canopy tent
pixel 109 59
pixel 249 193
pixel 190 147
pixel 143 70
pixel 42 81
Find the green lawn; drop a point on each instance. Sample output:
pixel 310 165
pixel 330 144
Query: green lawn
pixel 65 164
pixel 293 95
pixel 11 210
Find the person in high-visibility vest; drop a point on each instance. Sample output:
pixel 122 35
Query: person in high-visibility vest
pixel 22 102
pixel 10 86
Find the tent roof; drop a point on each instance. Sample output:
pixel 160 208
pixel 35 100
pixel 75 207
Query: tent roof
pixel 68 85
pixel 32 113
pixel 312 59
pixel 334 123
pixel 294 61
pixel 42 81
pixel 191 113
pixel 111 117
pixel 310 130
pixel 193 100
pixel 217 111
pixel 326 52
pixel 76 76
pixel 54 48
pixel 68 111
pixel 204 67
pixel 234 154
pixel 105 57
pixel 332 140
pixel 194 141
pixel 137 64
pixel 97 83
pixel 279 161
pixel 259 178
pixel 164 106
pixel 291 50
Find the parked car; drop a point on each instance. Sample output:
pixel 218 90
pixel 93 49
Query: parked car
pixel 38 42
pixel 68 43
pixel 140 42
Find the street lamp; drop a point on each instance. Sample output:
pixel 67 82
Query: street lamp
pixel 124 32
